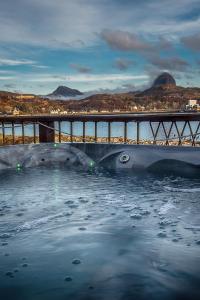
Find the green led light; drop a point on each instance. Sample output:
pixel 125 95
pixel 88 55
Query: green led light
pixel 55 145
pixel 18 166
pixel 91 163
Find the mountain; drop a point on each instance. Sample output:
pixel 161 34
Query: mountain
pixel 64 92
pixel 164 87
pixel 164 80
pixel 164 94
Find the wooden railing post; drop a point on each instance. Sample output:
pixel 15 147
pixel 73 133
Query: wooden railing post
pixel 71 131
pixel 59 131
pixel 3 132
pixel 13 133
pixel 34 133
pixel 95 131
pixel 46 135
pixel 83 132
pixel 109 132
pixel 138 132
pixel 125 132
pixel 23 138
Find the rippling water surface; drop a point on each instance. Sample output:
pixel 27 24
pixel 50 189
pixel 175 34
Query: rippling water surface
pixel 66 234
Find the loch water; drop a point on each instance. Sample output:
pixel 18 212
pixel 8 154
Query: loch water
pixel 69 234
pixel 117 129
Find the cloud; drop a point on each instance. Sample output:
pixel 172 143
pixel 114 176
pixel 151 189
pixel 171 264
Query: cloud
pixel 81 68
pixel 128 86
pixel 6 72
pixel 123 40
pixel 127 41
pixel 72 24
pixel 164 44
pixel 123 63
pixel 19 62
pixel 9 86
pixel 49 23
pixel 189 76
pixel 83 78
pixel 40 66
pixel 170 63
pixel 14 62
pixel 49 31
pixel 6 77
pixel 192 41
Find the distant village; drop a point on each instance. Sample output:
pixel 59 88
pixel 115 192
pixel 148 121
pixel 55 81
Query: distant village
pixel 192 105
pixel 163 95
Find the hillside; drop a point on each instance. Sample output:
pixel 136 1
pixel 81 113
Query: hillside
pixel 163 95
pixel 26 105
pixel 64 92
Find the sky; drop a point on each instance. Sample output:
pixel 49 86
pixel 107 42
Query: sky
pixel 97 45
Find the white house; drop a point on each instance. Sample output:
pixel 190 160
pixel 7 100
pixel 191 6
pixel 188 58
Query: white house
pixel 192 104
pixel 16 111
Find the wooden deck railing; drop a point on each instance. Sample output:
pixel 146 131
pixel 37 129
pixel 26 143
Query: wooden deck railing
pixel 180 129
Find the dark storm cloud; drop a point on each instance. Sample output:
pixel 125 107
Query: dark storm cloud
pixel 123 63
pixel 126 41
pixel 192 41
pixel 170 63
pixel 63 23
pixel 81 68
pixel 31 29
pixel 123 40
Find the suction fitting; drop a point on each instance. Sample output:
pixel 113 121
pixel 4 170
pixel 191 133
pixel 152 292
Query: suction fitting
pixel 124 158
